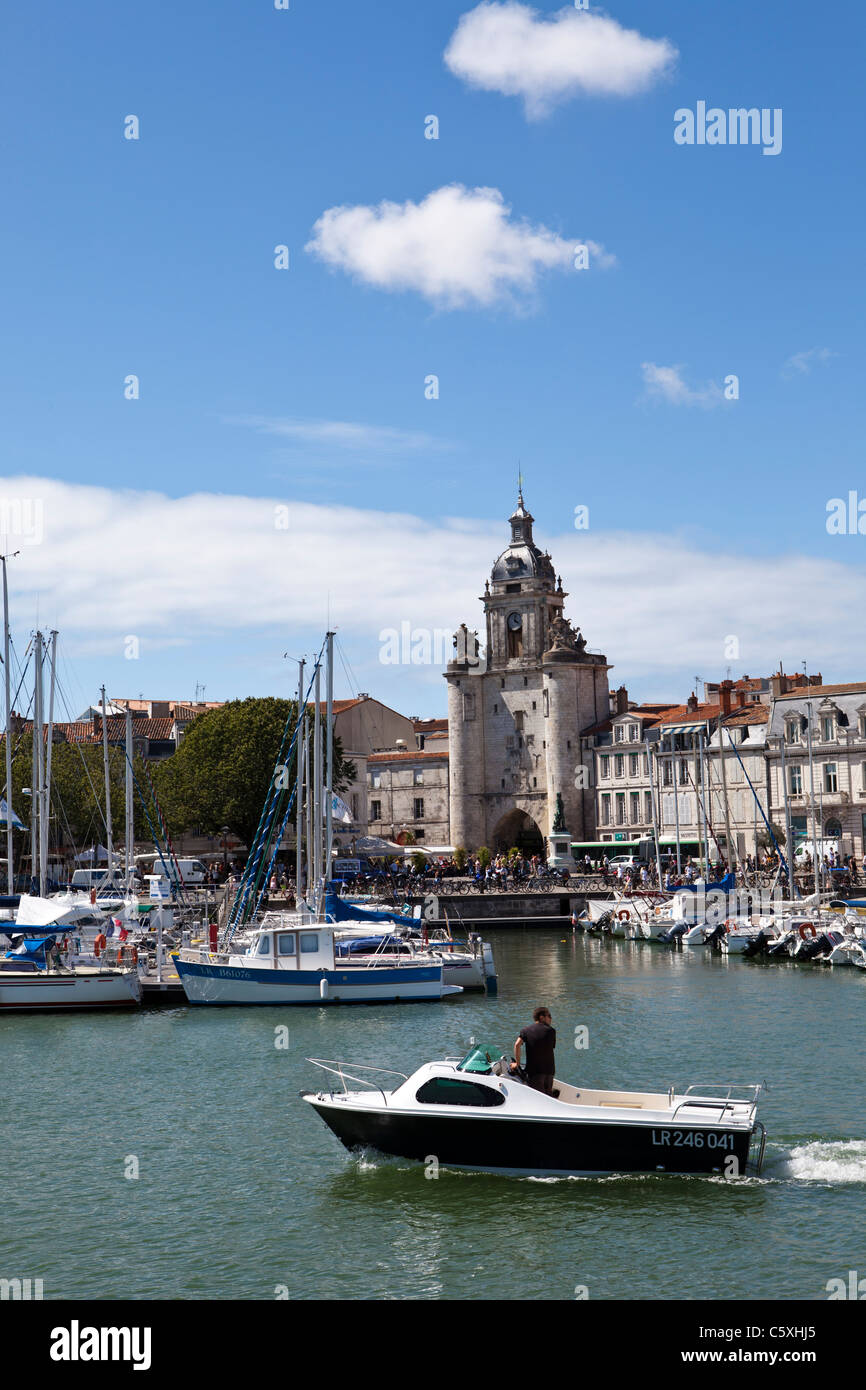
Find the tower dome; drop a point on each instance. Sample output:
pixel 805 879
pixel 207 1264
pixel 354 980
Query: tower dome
pixel 522 559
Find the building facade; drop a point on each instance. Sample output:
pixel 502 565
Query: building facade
pixel 516 711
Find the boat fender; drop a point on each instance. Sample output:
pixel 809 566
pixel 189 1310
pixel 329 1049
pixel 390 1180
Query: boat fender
pixel 323 988
pixel 807 927
pixel 135 955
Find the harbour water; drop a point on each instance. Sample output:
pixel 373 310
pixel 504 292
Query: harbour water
pixel 243 1193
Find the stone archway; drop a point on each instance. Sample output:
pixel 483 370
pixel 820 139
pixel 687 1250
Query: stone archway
pixel 517 829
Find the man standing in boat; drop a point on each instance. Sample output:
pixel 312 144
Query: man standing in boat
pixel 540 1040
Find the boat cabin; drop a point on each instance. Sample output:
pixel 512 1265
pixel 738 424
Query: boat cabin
pixel 290 944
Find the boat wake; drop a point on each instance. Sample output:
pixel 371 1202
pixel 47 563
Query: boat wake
pixel 830 1161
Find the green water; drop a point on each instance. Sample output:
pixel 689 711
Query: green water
pixel 242 1190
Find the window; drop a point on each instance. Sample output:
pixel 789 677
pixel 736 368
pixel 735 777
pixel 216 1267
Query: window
pixel 619 733
pixel 646 764
pixel 605 808
pixel 830 780
pixel 633 733
pixel 468 706
pixel 684 773
pixel 648 807
pixel 863 725
pixel 376 779
pixel 604 768
pixel 632 764
pixel 286 944
pixel 418 777
pixel 264 945
pixel 795 780
pixel 793 731
pixel 546 699
pixel 375 810
pixel 533 704
pixel 828 728
pixel 635 808
pixel 667 775
pixel 495 709
pixel 418 805
pixel 354 805
pixel 620 808
pixel 447 1090
pixel 309 943
pixel 518 720
pixel 618 763
pixel 833 829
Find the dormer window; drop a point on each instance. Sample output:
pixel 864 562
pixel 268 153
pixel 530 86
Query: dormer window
pixel 828 727
pixel 793 730
pixel 620 733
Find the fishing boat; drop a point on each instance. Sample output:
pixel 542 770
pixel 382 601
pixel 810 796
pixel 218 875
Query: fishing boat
pixel 29 979
pixel 475 1113
pixel 291 960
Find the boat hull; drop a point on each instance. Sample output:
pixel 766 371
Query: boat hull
pixel 536 1146
pixel 217 984
pixel 97 990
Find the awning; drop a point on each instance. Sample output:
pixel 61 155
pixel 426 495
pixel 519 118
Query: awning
pixel 684 728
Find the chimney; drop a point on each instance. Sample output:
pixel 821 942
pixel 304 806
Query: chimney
pixel 725 696
pixel 622 700
pixel 778 684
pixel 741 699
pixel 692 703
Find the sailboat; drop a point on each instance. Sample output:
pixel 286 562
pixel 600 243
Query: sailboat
pixel 290 957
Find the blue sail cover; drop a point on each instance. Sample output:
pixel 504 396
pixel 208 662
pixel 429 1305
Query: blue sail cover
pixel 339 910
pixel 33 949
pixel 727 884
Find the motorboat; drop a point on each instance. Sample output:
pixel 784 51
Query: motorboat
pixel 31 977
pixel 291 959
pixel 476 1113
pixel 469 964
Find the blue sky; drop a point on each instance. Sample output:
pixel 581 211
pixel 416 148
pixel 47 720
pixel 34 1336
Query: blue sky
pixel 155 257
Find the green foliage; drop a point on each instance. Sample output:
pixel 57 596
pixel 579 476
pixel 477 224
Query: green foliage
pixel 222 771
pixel 484 856
pixel 419 861
pixel 460 858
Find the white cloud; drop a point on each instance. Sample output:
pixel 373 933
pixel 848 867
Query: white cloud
pixel 546 59
pixel 339 433
pixel 214 569
pixel 802 362
pixel 667 384
pixel 458 247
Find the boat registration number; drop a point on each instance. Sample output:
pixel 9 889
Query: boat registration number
pixel 691 1139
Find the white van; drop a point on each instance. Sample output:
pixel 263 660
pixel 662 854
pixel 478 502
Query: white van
pixel 85 879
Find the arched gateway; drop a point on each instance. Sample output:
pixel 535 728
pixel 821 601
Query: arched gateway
pixel 518 830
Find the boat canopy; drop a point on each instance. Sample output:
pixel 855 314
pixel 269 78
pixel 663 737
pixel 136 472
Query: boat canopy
pixel 338 910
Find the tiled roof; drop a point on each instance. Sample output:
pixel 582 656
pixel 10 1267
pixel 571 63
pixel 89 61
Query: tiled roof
pixel 430 726
pixel 681 714
pixel 810 692
pixel 750 714
pixel 407 757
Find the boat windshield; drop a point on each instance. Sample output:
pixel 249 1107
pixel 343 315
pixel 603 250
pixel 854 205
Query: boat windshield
pixel 481 1058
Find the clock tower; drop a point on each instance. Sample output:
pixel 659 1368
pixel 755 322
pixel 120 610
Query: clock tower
pixel 516 712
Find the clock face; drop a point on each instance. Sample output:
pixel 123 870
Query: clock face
pixel 515 622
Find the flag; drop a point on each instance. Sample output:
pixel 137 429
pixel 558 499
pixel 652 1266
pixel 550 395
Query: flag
pixel 339 811
pixel 17 823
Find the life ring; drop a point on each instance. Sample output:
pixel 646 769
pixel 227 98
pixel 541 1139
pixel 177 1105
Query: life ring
pixel 624 916
pixel 730 925
pixel 805 927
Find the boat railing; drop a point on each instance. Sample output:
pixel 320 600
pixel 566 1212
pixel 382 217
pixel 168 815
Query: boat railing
pixel 697 1096
pixel 339 1069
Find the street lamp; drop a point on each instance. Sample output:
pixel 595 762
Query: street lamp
pixel 225 831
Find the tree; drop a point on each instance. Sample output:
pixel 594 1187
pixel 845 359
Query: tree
pixel 223 770
pixel 484 856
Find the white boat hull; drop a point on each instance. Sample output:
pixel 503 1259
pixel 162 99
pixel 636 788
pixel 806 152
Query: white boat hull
pixel 97 989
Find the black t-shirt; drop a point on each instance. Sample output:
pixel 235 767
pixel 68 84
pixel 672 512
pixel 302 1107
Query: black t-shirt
pixel 540 1040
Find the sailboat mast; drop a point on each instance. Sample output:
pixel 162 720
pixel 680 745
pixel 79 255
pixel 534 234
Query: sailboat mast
pixel 38 753
pixel 107 791
pixel 300 744
pixel 329 789
pixel 317 782
pixel 676 781
pixel 46 788
pixel 129 836
pixel 10 872
pixel 656 831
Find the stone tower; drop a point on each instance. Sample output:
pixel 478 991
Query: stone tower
pixel 516 712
